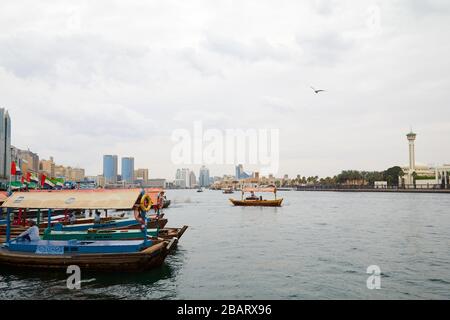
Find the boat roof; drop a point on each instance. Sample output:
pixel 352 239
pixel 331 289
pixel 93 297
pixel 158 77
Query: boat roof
pixel 260 189
pixel 75 199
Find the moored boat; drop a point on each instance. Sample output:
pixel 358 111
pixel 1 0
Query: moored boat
pixel 128 255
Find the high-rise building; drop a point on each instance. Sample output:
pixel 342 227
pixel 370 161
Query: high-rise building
pixel 182 178
pixel 110 168
pixel 239 171
pixel 5 145
pixel 203 178
pixel 192 179
pixel 128 169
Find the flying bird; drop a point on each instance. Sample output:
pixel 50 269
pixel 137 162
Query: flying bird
pixel 317 91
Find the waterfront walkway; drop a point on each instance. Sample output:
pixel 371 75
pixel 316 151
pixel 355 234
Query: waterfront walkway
pixel 371 189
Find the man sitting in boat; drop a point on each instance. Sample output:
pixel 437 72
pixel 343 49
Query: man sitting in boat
pixel 31 234
pixel 252 196
pixel 97 218
pixel 72 218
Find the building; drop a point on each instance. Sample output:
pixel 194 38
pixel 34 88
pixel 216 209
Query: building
pixel 192 179
pixel 182 178
pixel 156 183
pixel 47 167
pixel 110 169
pixel 418 175
pixel 128 169
pixel 203 178
pixel 5 145
pixel 32 160
pixel 141 176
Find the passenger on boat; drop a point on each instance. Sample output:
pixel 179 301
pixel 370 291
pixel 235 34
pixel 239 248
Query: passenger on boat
pixel 97 218
pixel 31 234
pixel 72 218
pixel 252 196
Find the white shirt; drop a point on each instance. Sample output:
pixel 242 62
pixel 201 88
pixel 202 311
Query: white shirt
pixel 97 218
pixel 33 232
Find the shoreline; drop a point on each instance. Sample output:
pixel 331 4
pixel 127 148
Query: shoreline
pixel 445 191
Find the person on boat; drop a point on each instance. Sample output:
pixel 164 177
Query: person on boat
pixel 97 217
pixel 72 218
pixel 31 234
pixel 252 196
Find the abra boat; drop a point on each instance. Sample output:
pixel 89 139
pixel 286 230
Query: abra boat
pixel 227 190
pixel 121 256
pixel 254 201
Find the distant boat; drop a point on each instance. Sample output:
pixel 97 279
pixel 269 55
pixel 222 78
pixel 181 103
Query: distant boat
pixel 166 203
pixel 257 203
pixel 200 190
pixel 254 201
pixel 227 190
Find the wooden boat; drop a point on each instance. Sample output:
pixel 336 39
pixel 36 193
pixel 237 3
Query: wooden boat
pixel 129 255
pixel 257 203
pixel 59 256
pixel 254 201
pixel 115 235
pixel 227 191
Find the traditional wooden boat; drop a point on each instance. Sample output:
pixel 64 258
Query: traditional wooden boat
pixel 227 191
pixel 130 255
pixel 254 201
pixel 257 203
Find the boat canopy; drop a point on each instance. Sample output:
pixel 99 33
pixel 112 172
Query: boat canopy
pixel 260 189
pixel 75 199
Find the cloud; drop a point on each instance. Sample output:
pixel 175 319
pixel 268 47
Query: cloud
pixel 254 50
pixel 325 48
pixel 74 58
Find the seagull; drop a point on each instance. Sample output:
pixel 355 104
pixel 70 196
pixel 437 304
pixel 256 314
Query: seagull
pixel 317 91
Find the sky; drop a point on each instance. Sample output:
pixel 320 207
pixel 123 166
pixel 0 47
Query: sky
pixel 85 78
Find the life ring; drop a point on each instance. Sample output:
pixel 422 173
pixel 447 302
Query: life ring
pixel 137 215
pixel 146 203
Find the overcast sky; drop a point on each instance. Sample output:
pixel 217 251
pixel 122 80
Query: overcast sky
pixel 86 78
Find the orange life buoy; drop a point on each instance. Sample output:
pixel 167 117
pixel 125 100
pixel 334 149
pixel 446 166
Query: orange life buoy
pixel 146 203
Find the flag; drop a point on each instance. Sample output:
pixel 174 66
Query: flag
pixel 13 168
pixel 23 180
pixel 29 176
pixel 43 178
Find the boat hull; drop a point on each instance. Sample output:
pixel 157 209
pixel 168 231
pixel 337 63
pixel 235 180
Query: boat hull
pixel 149 258
pixel 257 203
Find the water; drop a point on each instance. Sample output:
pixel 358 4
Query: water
pixel 317 246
